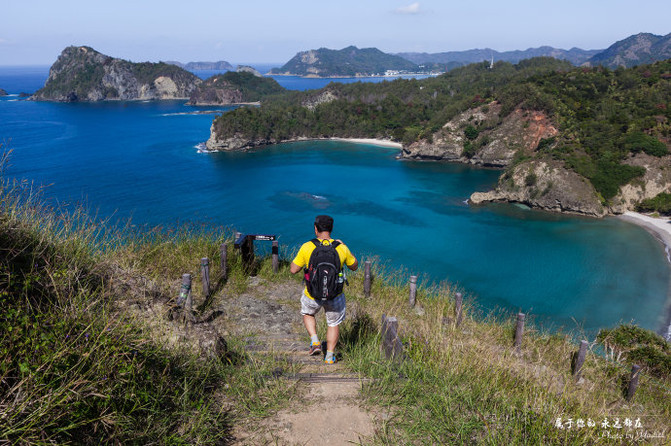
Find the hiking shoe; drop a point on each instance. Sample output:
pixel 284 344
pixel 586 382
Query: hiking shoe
pixel 330 361
pixel 315 349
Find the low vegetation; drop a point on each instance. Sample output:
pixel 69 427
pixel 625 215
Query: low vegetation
pixel 78 366
pixel 661 204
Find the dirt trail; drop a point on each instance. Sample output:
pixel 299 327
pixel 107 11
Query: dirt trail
pixel 328 409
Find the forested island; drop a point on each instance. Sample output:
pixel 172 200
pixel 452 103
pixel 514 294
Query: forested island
pixel 583 140
pixel 220 65
pixel 347 62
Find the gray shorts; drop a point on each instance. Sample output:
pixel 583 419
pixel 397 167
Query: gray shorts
pixel 334 308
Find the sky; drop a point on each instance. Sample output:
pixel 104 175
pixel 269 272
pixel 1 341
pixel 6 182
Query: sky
pixel 34 32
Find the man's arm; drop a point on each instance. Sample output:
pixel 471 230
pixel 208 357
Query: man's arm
pixel 294 268
pixel 354 265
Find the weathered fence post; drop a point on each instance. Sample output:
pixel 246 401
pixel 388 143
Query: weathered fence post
pixel 247 249
pixel 366 278
pixel 519 331
pixel 223 251
pixel 205 273
pixel 185 290
pixel 459 302
pixel 633 382
pixel 413 290
pixel 276 256
pixel 391 344
pixel 580 359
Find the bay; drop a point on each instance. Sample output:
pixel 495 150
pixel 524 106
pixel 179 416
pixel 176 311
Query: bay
pixel 139 160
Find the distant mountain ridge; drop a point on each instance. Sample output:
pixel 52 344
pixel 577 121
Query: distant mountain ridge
pixel 220 65
pixel 639 49
pixel 576 56
pixel 347 62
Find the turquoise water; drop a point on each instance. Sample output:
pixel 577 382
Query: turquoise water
pixel 138 159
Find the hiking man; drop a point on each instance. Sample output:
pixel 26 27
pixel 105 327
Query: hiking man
pixel 323 285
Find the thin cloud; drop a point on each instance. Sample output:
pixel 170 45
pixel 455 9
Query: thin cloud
pixel 3 41
pixel 412 8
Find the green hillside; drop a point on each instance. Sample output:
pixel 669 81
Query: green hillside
pixel 639 49
pixel 347 62
pixel 234 87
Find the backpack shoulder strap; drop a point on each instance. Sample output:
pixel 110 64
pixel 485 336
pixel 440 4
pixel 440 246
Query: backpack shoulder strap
pixel 336 243
pixel 316 241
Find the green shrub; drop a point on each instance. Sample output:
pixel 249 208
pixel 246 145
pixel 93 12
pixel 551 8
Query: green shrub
pixel 660 203
pixel 531 179
pixel 640 346
pixel 469 149
pixel 471 133
pixel 638 141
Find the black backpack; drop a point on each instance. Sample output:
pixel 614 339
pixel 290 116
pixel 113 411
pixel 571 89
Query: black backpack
pixel 323 276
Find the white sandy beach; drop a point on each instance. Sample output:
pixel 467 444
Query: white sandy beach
pixel 660 226
pixel 376 142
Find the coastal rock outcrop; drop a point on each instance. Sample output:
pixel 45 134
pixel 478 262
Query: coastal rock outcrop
pixel 657 179
pixel 234 88
pixel 248 69
pixel 83 74
pixel 3 92
pixel 482 137
pixel 233 143
pixel 322 97
pixel 546 185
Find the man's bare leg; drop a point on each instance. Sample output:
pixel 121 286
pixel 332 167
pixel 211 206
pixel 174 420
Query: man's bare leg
pixel 310 324
pixel 332 334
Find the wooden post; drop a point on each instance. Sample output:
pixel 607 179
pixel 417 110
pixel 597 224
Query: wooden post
pixel 276 256
pixel 413 290
pixel 519 331
pixel 185 290
pixel 633 382
pixel 580 359
pixel 247 249
pixel 223 259
pixel 205 273
pixel 391 344
pixel 459 303
pixel 366 278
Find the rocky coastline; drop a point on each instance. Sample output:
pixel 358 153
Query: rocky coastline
pixel 509 143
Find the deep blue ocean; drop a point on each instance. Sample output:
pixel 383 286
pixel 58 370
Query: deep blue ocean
pixel 139 160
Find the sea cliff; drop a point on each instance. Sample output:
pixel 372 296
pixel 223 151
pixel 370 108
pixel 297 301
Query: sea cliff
pixel 81 74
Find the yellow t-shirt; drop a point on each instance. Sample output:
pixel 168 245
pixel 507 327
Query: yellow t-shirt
pixel 303 257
